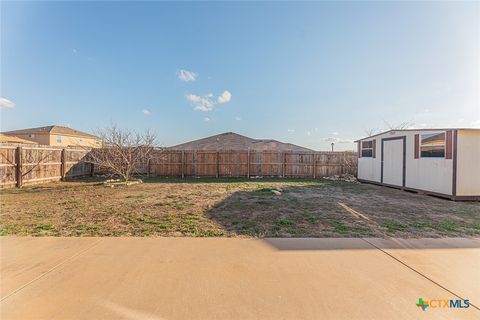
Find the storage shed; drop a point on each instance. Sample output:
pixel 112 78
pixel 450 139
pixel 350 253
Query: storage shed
pixel 442 162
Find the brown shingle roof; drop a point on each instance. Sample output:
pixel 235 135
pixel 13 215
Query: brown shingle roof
pixel 12 139
pixel 52 130
pixel 234 141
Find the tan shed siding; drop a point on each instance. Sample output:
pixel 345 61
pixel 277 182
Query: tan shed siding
pixel 429 174
pixel 449 144
pixel 417 147
pixel 369 167
pixel 468 159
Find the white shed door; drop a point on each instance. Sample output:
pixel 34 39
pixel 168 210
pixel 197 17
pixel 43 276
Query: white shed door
pixel 393 162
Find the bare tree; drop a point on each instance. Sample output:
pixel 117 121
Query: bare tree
pixel 370 132
pixel 400 126
pixel 124 152
pixel 388 126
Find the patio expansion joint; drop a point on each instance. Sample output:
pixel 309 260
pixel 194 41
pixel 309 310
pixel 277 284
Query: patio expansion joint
pixel 418 272
pixel 76 255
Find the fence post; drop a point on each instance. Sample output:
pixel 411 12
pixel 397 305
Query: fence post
pixel 248 163
pixel 314 166
pixel 63 165
pixel 18 168
pixel 148 167
pixel 218 166
pixel 183 164
pixel 194 163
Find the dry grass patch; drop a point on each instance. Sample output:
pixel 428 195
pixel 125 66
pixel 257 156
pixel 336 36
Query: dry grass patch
pixel 231 207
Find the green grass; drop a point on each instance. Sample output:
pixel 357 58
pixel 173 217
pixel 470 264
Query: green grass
pixel 445 226
pixel 231 207
pixel 312 219
pixel 393 226
pixel 283 222
pixel 340 227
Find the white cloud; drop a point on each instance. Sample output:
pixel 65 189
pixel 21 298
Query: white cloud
pixel 186 75
pixel 237 118
pixel 201 103
pixel 225 97
pixel 335 133
pixel 74 50
pixel 309 133
pixel 5 103
pixel 207 102
pixel 206 119
pixel 146 112
pixel 290 130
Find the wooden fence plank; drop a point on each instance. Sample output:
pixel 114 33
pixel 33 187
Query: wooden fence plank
pixel 250 163
pixel 28 164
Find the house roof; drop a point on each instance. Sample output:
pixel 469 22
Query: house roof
pixel 401 130
pixel 12 139
pixel 52 130
pixel 235 141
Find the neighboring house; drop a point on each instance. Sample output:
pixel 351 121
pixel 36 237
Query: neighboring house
pixel 442 162
pixel 57 136
pixel 14 140
pixel 234 141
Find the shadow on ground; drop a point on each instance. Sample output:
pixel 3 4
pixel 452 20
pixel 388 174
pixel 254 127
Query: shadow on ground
pixel 343 210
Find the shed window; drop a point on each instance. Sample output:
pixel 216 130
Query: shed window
pixel 432 145
pixel 59 139
pixel 367 148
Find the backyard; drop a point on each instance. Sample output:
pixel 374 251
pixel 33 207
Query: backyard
pixel 232 207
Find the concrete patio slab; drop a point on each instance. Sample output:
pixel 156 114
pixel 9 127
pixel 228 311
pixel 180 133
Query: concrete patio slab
pixel 228 278
pixel 444 261
pixel 24 259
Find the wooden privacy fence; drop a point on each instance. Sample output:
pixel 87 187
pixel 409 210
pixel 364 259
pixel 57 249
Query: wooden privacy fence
pixel 173 163
pixel 36 164
pixel 23 165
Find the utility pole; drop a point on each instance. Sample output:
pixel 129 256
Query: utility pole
pixel 332 146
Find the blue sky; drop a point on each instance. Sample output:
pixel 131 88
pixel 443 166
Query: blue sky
pixel 306 73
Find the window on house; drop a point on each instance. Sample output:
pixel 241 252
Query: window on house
pixel 432 145
pixel 367 148
pixel 59 139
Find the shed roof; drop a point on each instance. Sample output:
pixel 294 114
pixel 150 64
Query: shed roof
pixel 400 130
pixel 235 141
pixel 52 130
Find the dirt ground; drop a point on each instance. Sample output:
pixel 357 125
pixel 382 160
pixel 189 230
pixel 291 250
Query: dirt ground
pixel 222 207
